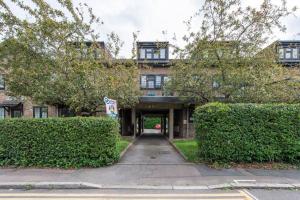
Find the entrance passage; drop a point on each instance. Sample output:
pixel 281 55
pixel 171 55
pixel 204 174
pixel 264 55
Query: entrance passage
pixel 152 148
pixel 172 120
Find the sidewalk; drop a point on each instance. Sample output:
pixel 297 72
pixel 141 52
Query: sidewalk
pixel 149 163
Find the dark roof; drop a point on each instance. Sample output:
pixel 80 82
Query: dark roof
pixel 153 44
pixel 10 103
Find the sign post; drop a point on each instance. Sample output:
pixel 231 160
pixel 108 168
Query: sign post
pixel 111 107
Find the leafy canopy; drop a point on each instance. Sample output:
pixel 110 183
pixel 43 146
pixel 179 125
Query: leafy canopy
pixel 225 57
pixel 53 56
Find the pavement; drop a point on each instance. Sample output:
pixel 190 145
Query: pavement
pixel 150 163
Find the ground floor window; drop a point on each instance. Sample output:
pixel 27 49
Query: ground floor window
pixel 16 113
pixel 40 112
pixel 2 113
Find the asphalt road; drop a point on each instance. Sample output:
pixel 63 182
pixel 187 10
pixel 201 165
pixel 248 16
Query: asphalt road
pixel 150 194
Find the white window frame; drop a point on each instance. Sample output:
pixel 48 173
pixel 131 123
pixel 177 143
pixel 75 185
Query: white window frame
pixel 162 53
pixel 294 53
pixel 143 81
pixel 288 51
pixel 142 53
pixel 281 53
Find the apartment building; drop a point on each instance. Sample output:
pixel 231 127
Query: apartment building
pixel 153 59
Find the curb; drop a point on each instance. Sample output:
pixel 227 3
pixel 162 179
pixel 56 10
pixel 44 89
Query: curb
pixel 125 150
pixel 84 185
pixel 179 152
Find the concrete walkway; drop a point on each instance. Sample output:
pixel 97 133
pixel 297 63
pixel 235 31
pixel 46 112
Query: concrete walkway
pixel 151 162
pixel 152 148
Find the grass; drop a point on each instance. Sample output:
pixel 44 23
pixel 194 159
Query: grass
pixel 123 143
pixel 189 148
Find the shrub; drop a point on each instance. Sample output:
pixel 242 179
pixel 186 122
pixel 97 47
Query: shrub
pixel 248 132
pixel 150 122
pixel 58 142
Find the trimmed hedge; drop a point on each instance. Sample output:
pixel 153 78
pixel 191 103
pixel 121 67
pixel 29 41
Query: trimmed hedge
pixel 248 132
pixel 59 142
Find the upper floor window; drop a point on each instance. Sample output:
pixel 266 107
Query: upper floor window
pixel 142 53
pixel 40 112
pixel 281 53
pixel 152 53
pixel 152 81
pixel 2 82
pixel 294 53
pixel 288 53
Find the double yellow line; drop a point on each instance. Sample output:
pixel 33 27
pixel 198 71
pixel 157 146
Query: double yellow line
pixel 240 195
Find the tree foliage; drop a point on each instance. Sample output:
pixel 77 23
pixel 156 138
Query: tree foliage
pixel 225 57
pixel 53 56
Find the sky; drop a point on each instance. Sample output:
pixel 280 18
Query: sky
pixel 150 18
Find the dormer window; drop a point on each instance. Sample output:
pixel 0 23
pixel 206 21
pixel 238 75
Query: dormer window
pixel 162 53
pixel 156 51
pixel 288 53
pixel 281 53
pixel 295 53
pixel 142 53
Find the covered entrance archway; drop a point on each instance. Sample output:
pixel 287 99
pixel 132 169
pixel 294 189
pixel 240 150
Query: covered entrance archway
pixel 173 112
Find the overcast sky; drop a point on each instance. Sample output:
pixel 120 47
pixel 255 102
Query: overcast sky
pixel 151 17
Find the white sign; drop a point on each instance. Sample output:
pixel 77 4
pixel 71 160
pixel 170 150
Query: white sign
pixel 111 107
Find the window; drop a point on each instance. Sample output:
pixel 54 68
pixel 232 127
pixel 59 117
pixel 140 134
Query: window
pixel 152 53
pixel 149 53
pixel 142 53
pixel 143 81
pixel 157 81
pixel 281 53
pixel 162 53
pixel 16 113
pixel 2 83
pixel 295 53
pixel 288 53
pixel 156 54
pixel 2 113
pixel 152 81
pixel 40 112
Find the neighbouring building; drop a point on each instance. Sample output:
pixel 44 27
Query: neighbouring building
pixel 154 69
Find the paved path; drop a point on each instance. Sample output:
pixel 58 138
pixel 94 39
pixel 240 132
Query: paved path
pixel 151 161
pixel 152 149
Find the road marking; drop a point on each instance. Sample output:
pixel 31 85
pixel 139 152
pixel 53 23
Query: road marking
pixel 249 195
pixel 238 181
pixel 239 195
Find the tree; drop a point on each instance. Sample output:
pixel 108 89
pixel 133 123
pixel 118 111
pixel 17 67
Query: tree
pixel 225 57
pixel 54 57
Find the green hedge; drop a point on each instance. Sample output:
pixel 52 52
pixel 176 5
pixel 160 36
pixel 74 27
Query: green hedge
pixel 58 142
pixel 248 132
pixel 150 122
